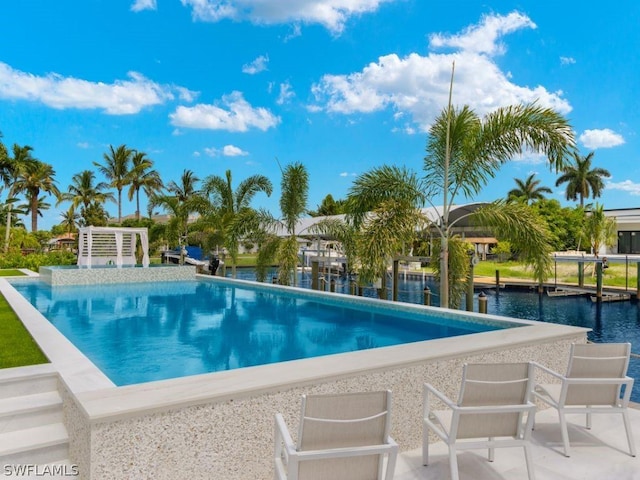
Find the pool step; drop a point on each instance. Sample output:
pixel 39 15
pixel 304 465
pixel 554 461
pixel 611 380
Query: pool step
pixel 32 431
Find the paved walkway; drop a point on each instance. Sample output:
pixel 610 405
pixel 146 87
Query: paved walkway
pixel 597 454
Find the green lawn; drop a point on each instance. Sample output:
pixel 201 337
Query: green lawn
pixel 11 272
pixel 17 348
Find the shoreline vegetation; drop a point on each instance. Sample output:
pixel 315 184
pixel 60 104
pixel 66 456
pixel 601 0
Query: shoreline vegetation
pixel 17 347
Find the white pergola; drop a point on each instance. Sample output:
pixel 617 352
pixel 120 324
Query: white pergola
pixel 99 246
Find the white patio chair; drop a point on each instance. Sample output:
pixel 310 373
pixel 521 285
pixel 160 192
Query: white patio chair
pixel 593 383
pixel 493 411
pixel 341 437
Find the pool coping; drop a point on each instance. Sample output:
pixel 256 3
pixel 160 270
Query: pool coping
pixel 102 401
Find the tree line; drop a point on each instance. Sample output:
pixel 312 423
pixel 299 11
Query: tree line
pixel 382 209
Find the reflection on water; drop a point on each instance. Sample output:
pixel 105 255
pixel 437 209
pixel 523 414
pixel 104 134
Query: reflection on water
pixel 141 332
pixel 609 322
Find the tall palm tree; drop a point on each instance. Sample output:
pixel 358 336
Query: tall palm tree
pixel 11 172
pixel 582 180
pixel 116 170
pixel 187 186
pixel 232 205
pixel 528 190
pixel 464 151
pixel 142 176
pixel 33 178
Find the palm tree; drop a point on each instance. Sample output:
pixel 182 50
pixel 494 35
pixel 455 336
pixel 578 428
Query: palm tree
pixel 582 180
pixel 70 219
pixel 293 204
pixel 528 190
pixel 116 170
pixel 83 191
pixel 10 174
pixel 182 200
pixel 33 178
pixel 233 205
pixel 464 151
pixel 142 176
pixel 600 230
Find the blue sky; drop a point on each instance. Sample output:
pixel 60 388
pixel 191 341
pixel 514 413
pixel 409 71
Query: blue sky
pixel 339 85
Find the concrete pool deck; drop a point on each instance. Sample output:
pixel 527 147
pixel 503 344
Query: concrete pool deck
pixel 219 425
pixel 596 454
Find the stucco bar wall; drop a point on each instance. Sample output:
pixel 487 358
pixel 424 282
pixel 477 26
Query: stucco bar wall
pixel 220 426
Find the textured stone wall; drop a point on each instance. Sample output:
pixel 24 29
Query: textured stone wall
pixel 234 439
pixel 104 275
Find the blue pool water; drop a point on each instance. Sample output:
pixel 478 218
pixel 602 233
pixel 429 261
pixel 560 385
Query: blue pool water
pixel 142 332
pixel 609 322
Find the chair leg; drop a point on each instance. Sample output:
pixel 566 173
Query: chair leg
pixel 564 432
pixel 529 460
pixel 627 427
pixel 425 444
pixel 453 463
pixel 492 451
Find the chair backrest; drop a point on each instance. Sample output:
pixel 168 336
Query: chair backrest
pixel 490 384
pixel 597 360
pixel 343 420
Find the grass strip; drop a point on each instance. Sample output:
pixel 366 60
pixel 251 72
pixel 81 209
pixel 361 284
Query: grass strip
pixel 11 272
pixel 17 347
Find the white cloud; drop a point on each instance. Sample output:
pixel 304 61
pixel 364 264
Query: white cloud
pixel 332 14
pixel 196 154
pixel 530 158
pixel 257 66
pixel 237 116
pixel 418 85
pixel 121 97
pixel 604 138
pixel 347 174
pixel 296 31
pixel 83 145
pixel 286 93
pixel 233 151
pixel 483 38
pixel 626 186
pixel 139 5
pixel 227 151
pixel 567 60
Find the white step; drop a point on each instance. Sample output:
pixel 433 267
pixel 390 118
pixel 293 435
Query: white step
pixel 15 382
pixel 37 445
pixel 28 411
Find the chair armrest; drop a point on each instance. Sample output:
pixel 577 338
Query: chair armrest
pixel 428 388
pixel 284 442
pixel 548 371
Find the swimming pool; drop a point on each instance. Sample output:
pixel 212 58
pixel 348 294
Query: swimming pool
pixel 142 332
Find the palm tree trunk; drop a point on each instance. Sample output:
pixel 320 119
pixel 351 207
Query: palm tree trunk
pixel 138 204
pixel 34 213
pixel 120 205
pixel 7 232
